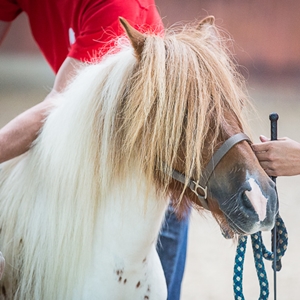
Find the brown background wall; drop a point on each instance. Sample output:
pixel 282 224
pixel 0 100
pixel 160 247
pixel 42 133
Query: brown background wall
pixel 266 33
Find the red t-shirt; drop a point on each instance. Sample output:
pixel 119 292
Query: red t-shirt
pixel 80 28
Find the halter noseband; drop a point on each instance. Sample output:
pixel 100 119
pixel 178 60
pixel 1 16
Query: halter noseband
pixel 200 187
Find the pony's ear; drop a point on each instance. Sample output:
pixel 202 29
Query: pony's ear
pixel 136 38
pixel 207 21
pixel 207 26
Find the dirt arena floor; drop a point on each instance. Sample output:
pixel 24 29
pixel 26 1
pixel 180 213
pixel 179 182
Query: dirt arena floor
pixel 210 260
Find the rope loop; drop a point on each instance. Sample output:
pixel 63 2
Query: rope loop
pixel 259 252
pixel 281 246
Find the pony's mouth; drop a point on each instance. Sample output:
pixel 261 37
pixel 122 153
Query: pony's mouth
pixel 236 220
pixel 246 214
pixel 244 220
pixel 232 229
pixel 229 229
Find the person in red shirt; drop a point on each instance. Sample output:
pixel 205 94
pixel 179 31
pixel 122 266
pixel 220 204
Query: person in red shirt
pixel 69 33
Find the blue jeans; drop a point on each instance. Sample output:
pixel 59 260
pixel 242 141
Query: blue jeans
pixel 171 248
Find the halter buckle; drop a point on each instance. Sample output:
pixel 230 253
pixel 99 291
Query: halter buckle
pixel 198 186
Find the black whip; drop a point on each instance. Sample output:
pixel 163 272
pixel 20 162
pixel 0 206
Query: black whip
pixel 276 265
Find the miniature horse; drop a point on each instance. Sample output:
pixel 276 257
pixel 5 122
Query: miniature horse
pixel 80 212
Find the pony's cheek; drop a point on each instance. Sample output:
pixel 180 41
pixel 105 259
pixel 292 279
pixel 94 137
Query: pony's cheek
pixel 224 186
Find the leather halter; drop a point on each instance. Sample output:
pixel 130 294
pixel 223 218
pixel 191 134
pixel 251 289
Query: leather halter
pixel 200 187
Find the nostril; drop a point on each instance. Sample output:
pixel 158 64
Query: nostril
pixel 245 201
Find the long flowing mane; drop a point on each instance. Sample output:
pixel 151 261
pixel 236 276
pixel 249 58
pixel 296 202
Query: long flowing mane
pixel 183 82
pixel 107 122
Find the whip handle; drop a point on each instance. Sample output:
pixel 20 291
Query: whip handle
pixel 273 118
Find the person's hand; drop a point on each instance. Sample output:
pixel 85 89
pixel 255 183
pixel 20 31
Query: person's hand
pixel 280 157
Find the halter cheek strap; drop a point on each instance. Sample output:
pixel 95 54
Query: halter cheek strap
pixel 200 187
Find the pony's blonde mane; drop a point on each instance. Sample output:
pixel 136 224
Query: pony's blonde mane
pixel 114 114
pixel 177 95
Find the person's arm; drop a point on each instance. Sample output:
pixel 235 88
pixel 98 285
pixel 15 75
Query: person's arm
pixel 17 136
pixel 280 157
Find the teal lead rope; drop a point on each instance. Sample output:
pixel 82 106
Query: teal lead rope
pixel 259 252
pixel 279 246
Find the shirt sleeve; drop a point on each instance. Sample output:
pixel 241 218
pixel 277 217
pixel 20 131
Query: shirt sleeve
pixel 100 27
pixel 9 10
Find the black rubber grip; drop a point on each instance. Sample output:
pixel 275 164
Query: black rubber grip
pixel 273 118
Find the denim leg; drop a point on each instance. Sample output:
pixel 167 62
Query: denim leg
pixel 171 248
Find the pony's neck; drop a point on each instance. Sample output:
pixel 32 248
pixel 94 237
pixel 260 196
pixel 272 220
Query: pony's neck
pixel 124 255
pixel 131 207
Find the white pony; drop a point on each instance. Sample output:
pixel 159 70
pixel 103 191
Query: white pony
pixel 80 212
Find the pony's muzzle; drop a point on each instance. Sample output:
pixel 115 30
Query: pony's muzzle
pixel 252 210
pixel 256 208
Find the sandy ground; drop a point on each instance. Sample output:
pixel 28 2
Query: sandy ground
pixel 209 268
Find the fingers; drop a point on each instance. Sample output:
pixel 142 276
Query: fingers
pixel 264 146
pixel 269 171
pixel 264 138
pixel 266 163
pixel 262 155
pixel 261 147
pixel 278 158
